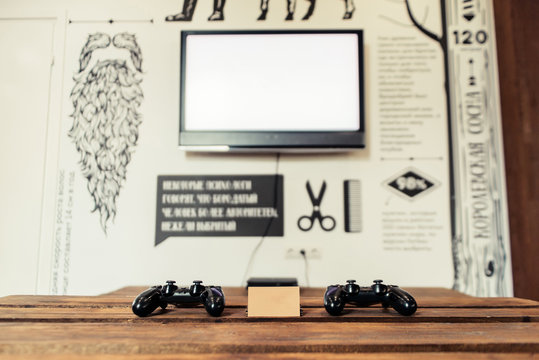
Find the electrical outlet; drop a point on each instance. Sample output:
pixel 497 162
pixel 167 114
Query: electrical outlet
pixel 296 252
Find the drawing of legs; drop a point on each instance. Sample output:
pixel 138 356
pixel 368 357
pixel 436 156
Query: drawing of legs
pixel 218 7
pixel 290 8
pixel 106 98
pixel 310 10
pixel 187 12
pixel 263 10
pixel 349 9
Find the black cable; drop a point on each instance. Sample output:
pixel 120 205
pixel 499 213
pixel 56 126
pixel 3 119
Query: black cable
pixel 304 254
pixel 275 196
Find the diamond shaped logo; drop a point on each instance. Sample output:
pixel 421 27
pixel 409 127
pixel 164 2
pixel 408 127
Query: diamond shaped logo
pixel 411 183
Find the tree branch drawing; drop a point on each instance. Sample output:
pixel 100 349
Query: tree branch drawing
pixel 478 270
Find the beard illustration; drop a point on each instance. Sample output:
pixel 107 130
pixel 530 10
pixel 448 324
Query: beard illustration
pixel 105 100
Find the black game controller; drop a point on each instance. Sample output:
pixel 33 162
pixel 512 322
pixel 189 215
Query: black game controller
pixel 337 296
pixel 212 297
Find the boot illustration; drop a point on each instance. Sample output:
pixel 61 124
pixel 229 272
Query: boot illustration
pixel 187 12
pixel 218 7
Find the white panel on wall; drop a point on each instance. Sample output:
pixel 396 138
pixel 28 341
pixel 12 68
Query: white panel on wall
pixel 25 70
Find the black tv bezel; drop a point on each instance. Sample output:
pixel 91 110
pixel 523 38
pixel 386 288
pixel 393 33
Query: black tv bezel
pixel 271 140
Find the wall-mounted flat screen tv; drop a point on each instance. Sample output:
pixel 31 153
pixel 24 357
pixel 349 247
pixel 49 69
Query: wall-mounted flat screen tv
pixel 272 90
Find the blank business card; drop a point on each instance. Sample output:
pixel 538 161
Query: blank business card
pixel 274 301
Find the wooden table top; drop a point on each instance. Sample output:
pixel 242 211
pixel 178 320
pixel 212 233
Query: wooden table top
pixel 447 324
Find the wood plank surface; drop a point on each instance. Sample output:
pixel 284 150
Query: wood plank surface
pixel 237 297
pixel 257 337
pixel 518 49
pixel 124 314
pixel 446 323
pixel 287 356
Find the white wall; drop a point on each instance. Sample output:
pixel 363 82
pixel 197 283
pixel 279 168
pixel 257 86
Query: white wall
pixel 51 242
pixel 25 75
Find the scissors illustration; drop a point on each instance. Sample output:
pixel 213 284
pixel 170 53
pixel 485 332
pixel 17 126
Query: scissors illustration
pixel 306 223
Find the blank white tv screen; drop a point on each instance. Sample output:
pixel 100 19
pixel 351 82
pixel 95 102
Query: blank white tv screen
pixel 284 82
